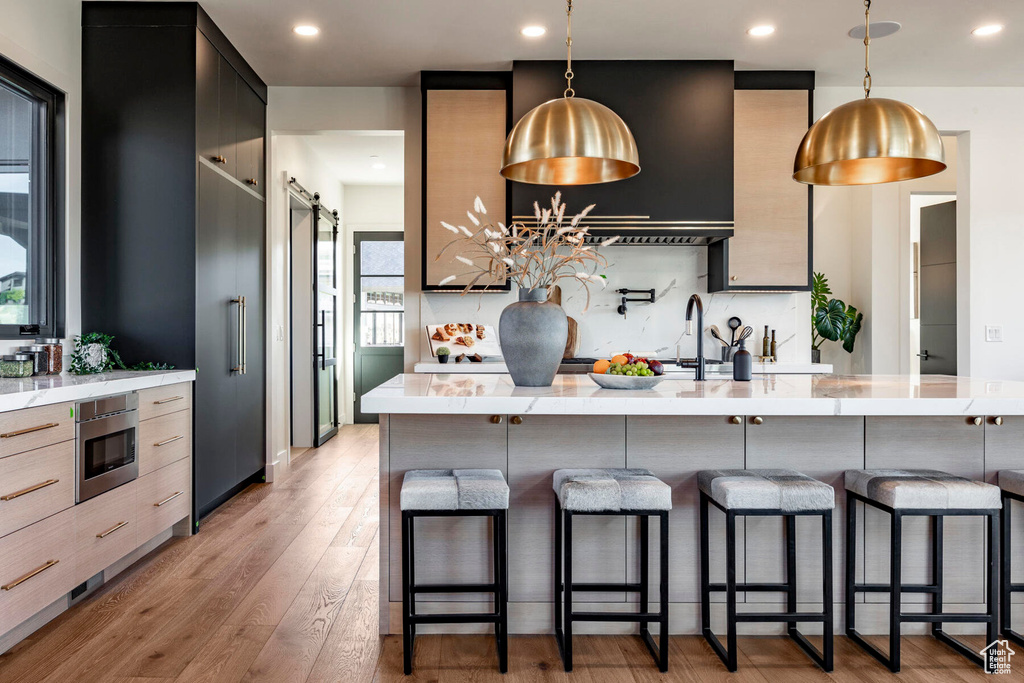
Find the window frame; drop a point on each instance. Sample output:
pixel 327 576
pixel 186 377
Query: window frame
pixel 47 268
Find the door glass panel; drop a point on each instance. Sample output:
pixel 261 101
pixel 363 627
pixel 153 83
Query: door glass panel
pixel 325 418
pixel 382 310
pixel 326 256
pixel 382 258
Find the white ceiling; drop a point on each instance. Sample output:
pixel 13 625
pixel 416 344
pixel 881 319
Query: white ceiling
pixel 387 42
pixel 347 154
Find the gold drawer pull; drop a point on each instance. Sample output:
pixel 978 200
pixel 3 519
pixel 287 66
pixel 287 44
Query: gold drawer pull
pixel 167 400
pixel 167 500
pixel 30 489
pixel 170 440
pixel 111 530
pixel 8 435
pixel 39 570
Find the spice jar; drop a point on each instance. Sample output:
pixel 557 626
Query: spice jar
pixel 55 355
pixel 16 365
pixel 40 358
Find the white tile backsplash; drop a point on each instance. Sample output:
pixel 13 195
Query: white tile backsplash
pixel 675 273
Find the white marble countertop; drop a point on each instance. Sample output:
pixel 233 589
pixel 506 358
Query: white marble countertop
pixel 47 389
pixel 672 371
pixel 774 394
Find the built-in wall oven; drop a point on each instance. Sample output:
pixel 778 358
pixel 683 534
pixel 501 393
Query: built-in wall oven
pixel 106 435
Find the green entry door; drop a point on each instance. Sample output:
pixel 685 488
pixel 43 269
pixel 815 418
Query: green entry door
pixel 379 312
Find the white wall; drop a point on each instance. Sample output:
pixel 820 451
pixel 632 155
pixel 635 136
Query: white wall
pixel 990 144
pixel 45 38
pixel 305 110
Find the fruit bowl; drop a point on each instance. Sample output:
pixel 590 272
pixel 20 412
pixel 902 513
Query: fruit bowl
pixel 625 381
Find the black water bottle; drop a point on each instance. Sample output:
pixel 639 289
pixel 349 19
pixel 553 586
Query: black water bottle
pixel 742 363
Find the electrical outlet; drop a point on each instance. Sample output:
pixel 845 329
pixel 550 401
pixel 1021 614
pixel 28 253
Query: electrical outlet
pixel 993 333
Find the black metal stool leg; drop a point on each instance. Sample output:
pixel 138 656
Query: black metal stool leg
pixel 567 630
pixel 705 568
pixel 992 628
pixel 407 625
pixel 851 564
pixel 790 535
pixel 730 589
pixel 501 579
pixel 826 592
pixel 937 536
pixel 663 588
pixel 645 570
pixel 895 586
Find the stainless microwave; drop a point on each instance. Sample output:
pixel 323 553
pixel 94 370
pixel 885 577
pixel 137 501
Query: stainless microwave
pixel 106 438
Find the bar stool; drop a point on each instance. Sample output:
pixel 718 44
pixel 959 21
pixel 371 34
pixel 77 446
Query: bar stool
pixel 919 493
pixel 455 493
pixel 1011 483
pixel 629 492
pixel 763 493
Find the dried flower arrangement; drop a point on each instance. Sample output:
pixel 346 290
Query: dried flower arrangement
pixel 531 257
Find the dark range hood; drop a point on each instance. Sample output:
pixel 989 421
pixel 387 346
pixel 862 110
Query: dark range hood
pixel 681 115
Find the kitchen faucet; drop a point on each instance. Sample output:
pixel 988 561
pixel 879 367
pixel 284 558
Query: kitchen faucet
pixel 698 372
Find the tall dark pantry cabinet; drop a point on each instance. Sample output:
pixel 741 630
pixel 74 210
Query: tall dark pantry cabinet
pixel 173 219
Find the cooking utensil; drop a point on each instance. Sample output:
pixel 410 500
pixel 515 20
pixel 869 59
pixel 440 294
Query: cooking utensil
pixel 744 334
pixel 734 324
pixel 718 335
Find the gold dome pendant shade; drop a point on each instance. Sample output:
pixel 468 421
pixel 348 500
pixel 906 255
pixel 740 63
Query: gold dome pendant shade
pixel 869 141
pixel 570 140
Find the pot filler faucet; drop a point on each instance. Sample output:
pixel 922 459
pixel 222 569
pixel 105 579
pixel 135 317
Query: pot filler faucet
pixel 698 371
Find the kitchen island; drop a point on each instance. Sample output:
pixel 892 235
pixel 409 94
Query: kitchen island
pixel 821 425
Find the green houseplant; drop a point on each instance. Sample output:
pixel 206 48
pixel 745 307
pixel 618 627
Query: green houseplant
pixel 831 319
pixel 442 354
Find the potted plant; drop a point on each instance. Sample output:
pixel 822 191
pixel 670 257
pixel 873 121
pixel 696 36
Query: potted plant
pixel 442 354
pixel 831 319
pixel 532 332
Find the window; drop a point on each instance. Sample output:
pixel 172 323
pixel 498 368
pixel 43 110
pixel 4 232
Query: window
pixel 31 206
pixel 382 293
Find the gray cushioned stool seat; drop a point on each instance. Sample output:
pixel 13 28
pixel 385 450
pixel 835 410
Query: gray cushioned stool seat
pixel 454 490
pixel 611 490
pixel 786 490
pixel 922 489
pixel 1012 481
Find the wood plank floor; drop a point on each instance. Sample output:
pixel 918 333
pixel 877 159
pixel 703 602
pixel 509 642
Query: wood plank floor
pixel 281 585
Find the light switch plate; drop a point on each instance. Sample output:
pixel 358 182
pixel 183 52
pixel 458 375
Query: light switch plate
pixel 280 332
pixel 993 333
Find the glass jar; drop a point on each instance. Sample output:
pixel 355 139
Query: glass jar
pixel 40 358
pixel 55 355
pixel 16 365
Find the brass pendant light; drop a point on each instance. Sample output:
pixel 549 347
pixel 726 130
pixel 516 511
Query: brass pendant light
pixel 570 140
pixel 869 141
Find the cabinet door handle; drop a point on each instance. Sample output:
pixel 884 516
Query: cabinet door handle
pixel 240 300
pixel 997 421
pixel 758 420
pixel 516 420
pixel 104 534
pixel 22 579
pixel 167 499
pixel 30 489
pixel 245 336
pixel 167 400
pixel 976 421
pixel 220 159
pixel 252 181
pixel 496 419
pixel 170 440
pixel 736 419
pixel 29 430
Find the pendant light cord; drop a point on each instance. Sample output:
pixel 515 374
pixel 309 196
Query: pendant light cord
pixel 867 49
pixel 569 92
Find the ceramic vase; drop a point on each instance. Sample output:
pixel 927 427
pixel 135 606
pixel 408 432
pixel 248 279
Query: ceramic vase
pixel 532 334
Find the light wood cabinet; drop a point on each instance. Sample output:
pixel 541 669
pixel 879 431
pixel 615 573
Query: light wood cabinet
pixel 35 485
pixel 104 530
pixel 448 549
pixel 163 440
pixel 797 443
pixel 162 499
pixel 950 444
pixel 675 449
pixel 24 430
pixel 164 400
pixel 771 247
pixel 36 567
pixel 536 448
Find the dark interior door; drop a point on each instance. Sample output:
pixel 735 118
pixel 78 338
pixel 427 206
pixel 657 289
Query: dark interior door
pixel 215 411
pixel 379 313
pixel 938 289
pixel 325 330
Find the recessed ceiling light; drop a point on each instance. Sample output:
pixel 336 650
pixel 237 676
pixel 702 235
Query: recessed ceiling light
pixel 988 30
pixel 533 31
pixel 306 30
pixel 761 30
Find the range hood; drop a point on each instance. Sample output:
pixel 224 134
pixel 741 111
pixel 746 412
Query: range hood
pixel 681 114
pixel 641 231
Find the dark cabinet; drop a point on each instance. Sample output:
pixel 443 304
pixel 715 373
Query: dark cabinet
pixel 173 231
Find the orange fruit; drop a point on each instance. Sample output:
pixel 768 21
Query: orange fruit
pixel 601 366
pixel 620 359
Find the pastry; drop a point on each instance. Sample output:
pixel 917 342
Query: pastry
pixel 476 358
pixel 440 335
pixel 480 332
pixel 465 327
pixel 465 341
pixel 459 358
pixel 450 329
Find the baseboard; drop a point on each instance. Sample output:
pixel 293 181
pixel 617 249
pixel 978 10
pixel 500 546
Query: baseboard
pixel 280 459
